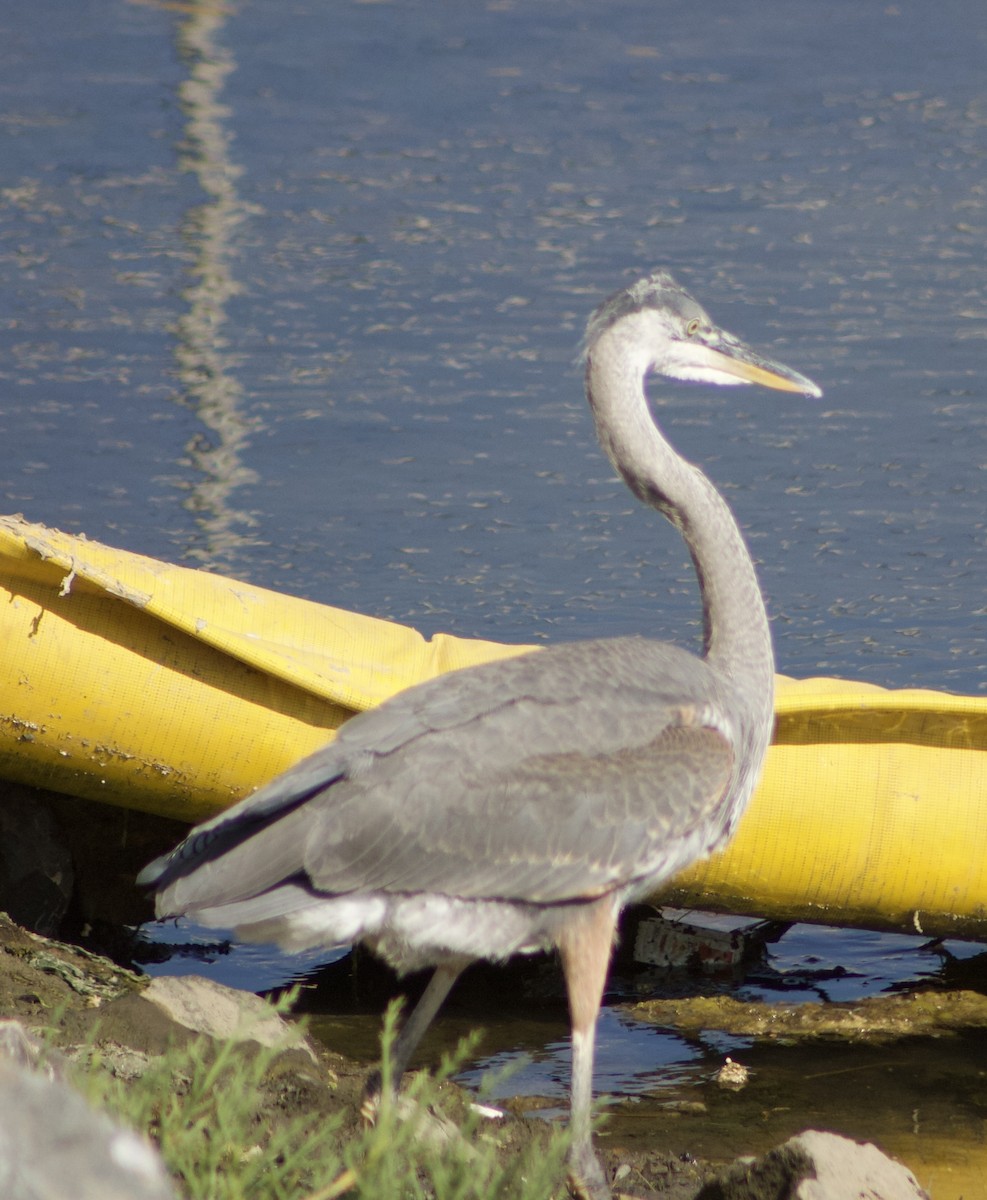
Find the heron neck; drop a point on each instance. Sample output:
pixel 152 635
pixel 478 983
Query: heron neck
pixel 736 635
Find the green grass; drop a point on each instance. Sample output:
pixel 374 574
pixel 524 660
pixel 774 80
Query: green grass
pixel 206 1105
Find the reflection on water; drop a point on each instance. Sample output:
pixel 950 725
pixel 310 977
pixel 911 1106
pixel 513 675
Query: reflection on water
pixel 205 367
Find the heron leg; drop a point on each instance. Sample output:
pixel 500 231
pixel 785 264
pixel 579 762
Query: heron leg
pixel 412 1032
pixel 585 945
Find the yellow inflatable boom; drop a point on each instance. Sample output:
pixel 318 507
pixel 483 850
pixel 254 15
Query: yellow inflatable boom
pixel 175 691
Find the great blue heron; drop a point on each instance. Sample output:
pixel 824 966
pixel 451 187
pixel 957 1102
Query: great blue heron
pixel 518 805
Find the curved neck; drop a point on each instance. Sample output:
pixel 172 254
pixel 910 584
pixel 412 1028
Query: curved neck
pixel 736 638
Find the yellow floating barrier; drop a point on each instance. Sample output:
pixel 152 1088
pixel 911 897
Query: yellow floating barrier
pixel 175 691
pixel 871 811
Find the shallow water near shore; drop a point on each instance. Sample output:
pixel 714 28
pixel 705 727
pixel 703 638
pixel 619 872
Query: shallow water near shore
pixel 922 1099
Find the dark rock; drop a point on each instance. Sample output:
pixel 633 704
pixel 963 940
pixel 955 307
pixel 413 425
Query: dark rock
pixel 36 876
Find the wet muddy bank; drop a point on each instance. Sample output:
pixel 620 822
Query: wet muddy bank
pixel 73 998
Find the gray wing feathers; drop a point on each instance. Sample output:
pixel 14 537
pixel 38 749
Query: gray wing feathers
pixel 561 774
pixel 553 828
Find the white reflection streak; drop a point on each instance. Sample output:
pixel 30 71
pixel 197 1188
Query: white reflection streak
pixel 208 384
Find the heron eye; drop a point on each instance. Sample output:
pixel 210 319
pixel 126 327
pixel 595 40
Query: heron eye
pixel 692 328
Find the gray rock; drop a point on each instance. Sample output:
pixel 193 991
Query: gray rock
pixel 53 1146
pixel 221 1012
pixel 816 1166
pixel 21 1048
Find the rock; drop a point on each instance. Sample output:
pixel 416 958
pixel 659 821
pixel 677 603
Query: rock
pixel 53 1144
pixel 23 1049
pixel 816 1166
pixel 222 1012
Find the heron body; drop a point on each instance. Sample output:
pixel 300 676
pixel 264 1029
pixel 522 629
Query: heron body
pixel 518 805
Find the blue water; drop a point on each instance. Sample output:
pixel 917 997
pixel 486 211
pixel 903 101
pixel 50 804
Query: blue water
pixel 423 203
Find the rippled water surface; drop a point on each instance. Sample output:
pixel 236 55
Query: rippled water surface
pixel 295 291
pixel 298 291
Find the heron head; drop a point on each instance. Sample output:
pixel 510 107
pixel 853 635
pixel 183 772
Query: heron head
pixel 671 334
